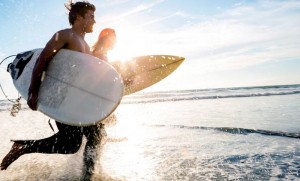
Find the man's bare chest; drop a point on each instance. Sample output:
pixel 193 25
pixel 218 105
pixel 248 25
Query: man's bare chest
pixel 78 44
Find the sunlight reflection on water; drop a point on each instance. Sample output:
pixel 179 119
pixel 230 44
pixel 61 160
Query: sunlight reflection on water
pixel 174 141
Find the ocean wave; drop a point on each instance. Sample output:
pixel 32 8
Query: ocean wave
pixel 259 166
pixel 216 93
pixel 192 98
pixel 200 94
pixel 233 130
pixel 6 105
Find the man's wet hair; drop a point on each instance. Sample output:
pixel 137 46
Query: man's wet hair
pixel 78 8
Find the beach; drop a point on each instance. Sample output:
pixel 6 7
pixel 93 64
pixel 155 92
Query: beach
pixel 250 133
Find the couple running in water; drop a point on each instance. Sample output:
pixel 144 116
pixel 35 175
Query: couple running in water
pixel 68 139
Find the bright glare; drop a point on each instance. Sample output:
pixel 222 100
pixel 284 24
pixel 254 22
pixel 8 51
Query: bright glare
pixel 128 134
pixel 129 43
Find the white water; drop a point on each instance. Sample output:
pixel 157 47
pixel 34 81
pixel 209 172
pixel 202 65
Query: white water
pixel 181 140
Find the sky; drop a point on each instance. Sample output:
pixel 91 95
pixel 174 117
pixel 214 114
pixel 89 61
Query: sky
pixel 232 43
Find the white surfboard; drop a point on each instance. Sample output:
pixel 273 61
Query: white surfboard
pixel 78 89
pixel 141 72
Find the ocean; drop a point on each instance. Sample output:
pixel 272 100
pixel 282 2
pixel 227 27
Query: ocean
pixel 246 133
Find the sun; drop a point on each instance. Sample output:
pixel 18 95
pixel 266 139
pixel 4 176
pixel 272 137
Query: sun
pixel 130 43
pixel 132 40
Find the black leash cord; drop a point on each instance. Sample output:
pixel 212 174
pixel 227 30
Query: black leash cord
pixel 0 83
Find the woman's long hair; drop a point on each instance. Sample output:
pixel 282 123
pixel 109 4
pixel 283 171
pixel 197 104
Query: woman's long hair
pixel 104 34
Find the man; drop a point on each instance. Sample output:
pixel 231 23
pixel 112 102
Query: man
pixel 69 138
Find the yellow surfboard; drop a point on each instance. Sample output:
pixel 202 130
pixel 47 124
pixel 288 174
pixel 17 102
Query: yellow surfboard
pixel 141 72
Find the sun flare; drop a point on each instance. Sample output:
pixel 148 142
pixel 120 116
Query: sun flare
pixel 129 44
pixel 132 40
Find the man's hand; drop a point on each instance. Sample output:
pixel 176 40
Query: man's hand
pixel 32 101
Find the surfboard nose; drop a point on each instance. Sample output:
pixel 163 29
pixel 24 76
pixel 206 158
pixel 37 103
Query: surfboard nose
pixel 17 66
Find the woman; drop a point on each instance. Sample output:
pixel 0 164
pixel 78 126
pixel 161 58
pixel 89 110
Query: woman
pixel 106 41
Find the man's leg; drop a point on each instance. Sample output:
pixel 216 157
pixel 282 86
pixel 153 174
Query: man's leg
pixel 94 135
pixel 66 141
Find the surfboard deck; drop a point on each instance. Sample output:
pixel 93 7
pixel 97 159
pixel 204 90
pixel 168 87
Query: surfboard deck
pixel 141 72
pixel 78 89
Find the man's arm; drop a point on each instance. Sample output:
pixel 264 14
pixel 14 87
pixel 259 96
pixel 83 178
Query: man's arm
pixel 58 40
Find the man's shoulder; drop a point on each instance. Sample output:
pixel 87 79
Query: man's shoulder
pixel 63 35
pixel 66 31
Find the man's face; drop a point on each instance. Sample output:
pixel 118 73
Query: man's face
pixel 89 21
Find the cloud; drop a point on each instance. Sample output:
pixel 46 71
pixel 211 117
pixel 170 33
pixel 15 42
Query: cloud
pixel 108 3
pixel 244 36
pixel 111 18
pixel 160 19
pixel 240 37
pixel 232 41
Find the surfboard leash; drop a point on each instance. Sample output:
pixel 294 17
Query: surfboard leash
pixel 7 58
pixel 16 107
